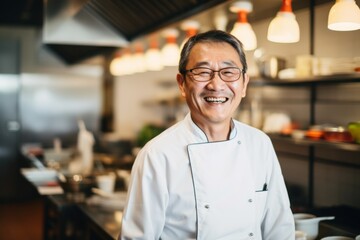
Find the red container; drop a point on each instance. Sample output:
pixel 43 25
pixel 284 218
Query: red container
pixel 337 134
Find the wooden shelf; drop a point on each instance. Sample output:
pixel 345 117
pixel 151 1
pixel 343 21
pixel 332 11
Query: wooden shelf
pixel 316 80
pixel 320 143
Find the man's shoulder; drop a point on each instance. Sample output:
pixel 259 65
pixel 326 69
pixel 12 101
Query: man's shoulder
pixel 250 131
pixel 169 135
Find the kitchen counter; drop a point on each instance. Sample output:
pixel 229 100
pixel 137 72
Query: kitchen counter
pixel 102 223
pixel 67 218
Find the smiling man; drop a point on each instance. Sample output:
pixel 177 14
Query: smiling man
pixel 209 176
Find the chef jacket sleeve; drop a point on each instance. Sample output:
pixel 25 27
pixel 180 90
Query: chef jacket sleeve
pixel 144 213
pixel 278 222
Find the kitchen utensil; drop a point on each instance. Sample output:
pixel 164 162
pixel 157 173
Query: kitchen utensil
pixel 315 133
pixel 337 134
pixel 103 193
pixel 298 134
pixel 270 66
pixel 76 183
pixel 106 182
pixel 275 122
pixel 309 224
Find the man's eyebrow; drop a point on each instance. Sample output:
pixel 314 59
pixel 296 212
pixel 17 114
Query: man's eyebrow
pixel 229 63
pixel 202 64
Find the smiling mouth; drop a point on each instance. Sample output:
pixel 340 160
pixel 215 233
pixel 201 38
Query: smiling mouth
pixel 216 99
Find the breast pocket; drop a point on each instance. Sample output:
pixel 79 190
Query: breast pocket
pixel 260 203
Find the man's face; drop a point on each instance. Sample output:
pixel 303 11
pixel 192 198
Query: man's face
pixel 215 101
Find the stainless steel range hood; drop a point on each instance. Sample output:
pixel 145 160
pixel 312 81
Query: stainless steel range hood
pixel 72 22
pixel 78 29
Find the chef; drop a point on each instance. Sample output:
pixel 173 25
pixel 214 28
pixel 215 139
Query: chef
pixel 209 176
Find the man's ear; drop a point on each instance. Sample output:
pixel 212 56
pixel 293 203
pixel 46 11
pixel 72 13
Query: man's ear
pixel 181 83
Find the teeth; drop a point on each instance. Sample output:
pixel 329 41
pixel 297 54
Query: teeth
pixel 216 100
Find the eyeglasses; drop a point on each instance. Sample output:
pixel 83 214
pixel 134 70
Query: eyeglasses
pixel 203 74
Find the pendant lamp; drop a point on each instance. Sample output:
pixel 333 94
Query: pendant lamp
pixel 128 62
pixel 344 15
pixel 284 28
pixel 242 29
pixel 153 56
pixel 170 52
pixel 139 59
pixel 191 28
pixel 115 65
pixel 220 20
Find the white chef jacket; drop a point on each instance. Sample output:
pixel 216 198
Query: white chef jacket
pixel 184 187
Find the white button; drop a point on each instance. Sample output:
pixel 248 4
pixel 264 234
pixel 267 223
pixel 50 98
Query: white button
pixel 239 142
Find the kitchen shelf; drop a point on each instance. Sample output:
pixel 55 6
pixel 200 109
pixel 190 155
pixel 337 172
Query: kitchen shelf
pixel 312 84
pixel 317 143
pixel 315 80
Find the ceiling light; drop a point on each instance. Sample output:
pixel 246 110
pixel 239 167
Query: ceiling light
pixel 139 59
pixel 284 28
pixel 153 56
pixel 170 52
pixel 220 20
pixel 127 62
pixel 242 29
pixel 344 16
pixel 116 65
pixel 191 28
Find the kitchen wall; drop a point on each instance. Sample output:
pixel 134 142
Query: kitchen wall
pixel 52 94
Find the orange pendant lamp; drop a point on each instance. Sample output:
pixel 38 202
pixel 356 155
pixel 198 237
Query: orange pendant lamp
pixel 284 28
pixel 242 29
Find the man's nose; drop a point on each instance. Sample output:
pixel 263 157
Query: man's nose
pixel 216 82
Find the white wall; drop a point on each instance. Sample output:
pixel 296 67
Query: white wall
pixel 135 100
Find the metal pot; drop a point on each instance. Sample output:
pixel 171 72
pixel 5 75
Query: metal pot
pixel 77 183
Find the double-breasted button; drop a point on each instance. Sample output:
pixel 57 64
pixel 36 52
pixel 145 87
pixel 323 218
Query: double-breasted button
pixel 251 234
pixel 250 200
pixel 207 206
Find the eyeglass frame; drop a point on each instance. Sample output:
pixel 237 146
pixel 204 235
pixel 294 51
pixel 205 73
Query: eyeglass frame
pixel 242 72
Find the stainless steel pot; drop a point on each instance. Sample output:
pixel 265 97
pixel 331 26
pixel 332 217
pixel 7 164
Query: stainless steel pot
pixel 77 183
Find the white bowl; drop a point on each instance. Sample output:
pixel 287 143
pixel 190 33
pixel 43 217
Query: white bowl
pixel 337 238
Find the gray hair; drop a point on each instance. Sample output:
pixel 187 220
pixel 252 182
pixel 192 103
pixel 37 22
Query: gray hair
pixel 211 36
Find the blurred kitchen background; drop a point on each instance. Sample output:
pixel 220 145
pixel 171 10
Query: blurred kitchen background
pixel 65 61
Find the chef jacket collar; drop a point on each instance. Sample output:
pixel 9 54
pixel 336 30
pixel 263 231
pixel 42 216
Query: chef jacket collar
pixel 200 135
